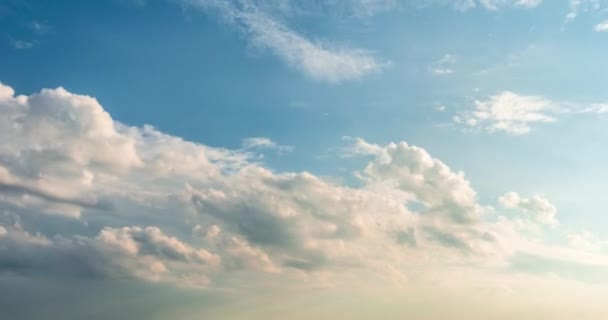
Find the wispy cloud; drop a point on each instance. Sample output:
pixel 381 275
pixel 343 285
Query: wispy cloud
pixel 443 66
pixel 21 44
pixel 265 143
pixel 321 61
pixel 495 4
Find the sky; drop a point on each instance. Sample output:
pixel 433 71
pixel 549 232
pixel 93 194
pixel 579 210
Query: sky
pixel 290 159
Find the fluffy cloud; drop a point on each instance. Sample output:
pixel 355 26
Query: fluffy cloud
pixel 516 114
pixel 540 208
pixel 411 169
pixel 144 253
pixel 510 112
pixel 137 203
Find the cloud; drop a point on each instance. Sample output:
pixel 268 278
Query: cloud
pixel 495 4
pixel 602 26
pixel 327 63
pixel 443 66
pixel 413 170
pixel 584 6
pixel 143 253
pixel 21 44
pixel 586 241
pixel 265 143
pixel 540 208
pixel 516 114
pixel 186 214
pixel 510 112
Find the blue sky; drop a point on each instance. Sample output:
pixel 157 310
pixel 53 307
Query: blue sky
pixel 196 98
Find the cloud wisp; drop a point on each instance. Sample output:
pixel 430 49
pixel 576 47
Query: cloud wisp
pixel 328 63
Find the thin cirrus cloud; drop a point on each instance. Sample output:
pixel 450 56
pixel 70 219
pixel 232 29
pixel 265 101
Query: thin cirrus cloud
pixel 322 61
pixel 495 4
pixel 265 143
pixel 443 66
pixel 328 63
pixel 516 114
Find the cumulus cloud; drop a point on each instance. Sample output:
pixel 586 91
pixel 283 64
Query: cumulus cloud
pixel 413 170
pixel 190 215
pixel 143 253
pixel 540 208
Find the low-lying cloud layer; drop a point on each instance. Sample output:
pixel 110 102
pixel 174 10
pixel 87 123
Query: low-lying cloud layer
pixel 83 196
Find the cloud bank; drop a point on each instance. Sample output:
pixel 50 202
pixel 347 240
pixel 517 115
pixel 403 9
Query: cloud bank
pixel 83 196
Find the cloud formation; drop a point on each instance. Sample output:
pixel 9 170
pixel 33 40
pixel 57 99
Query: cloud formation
pixel 602 26
pixel 540 208
pixel 496 4
pixel 510 112
pixel 136 203
pixel 265 143
pixel 516 114
pixel 329 63
pixel 443 66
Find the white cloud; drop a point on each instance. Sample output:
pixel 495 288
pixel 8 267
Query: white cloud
pixel 584 6
pixel 443 66
pixel 265 143
pixel 358 146
pixel 144 253
pixel 540 208
pixel 495 4
pixel 595 108
pixel 602 26
pixel 586 240
pixel 516 114
pixel 252 226
pixel 328 63
pixel 413 170
pixel 510 112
